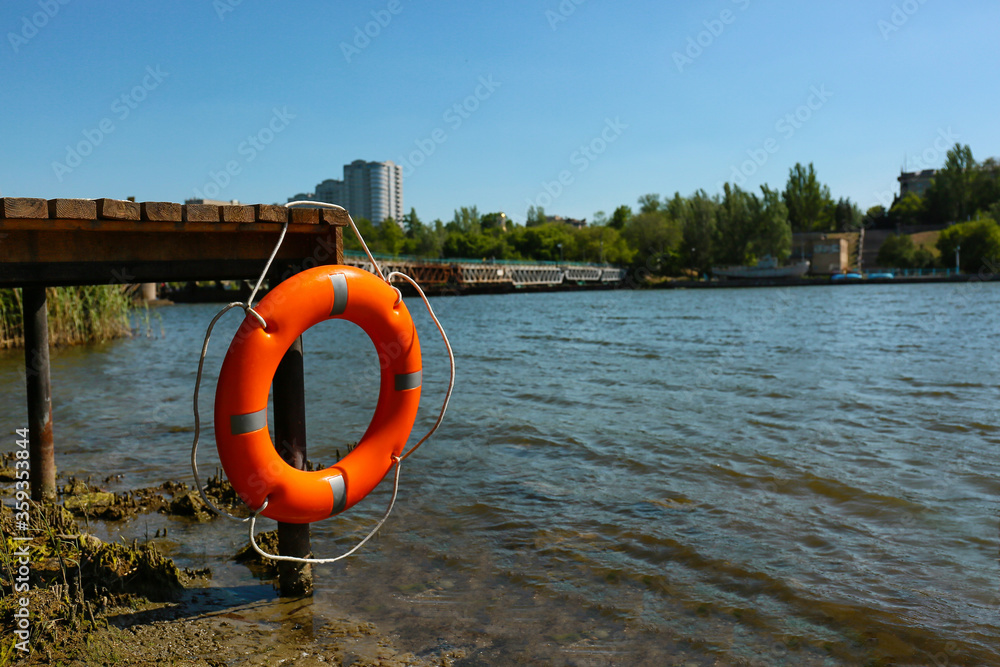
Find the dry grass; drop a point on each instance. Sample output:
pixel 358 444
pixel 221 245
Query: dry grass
pixel 927 240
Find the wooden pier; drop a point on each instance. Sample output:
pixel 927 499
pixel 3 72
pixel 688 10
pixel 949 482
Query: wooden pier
pixel 109 241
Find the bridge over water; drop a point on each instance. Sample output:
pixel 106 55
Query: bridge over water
pixel 518 273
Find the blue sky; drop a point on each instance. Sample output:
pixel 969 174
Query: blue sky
pixel 578 105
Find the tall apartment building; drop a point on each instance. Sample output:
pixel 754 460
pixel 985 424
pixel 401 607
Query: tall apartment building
pixel 915 181
pixel 372 190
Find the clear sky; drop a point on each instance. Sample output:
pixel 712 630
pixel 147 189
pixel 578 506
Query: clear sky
pixel 578 105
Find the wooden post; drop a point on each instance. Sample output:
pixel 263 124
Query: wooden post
pixel 36 369
pixel 294 579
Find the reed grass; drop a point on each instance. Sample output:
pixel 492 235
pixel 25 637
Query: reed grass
pixel 77 315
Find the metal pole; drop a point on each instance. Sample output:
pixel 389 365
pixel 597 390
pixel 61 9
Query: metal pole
pixel 294 579
pixel 42 455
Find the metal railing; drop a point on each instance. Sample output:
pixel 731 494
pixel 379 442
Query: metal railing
pixel 479 271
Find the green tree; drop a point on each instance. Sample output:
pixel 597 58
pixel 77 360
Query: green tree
pixel 412 224
pixel 649 203
pixel 367 231
pixel 620 217
pixel 986 186
pixel 908 211
pixel 543 242
pixel 771 230
pixel 810 207
pixel 600 244
pixel 923 258
pixel 536 216
pixel 497 220
pixel 847 217
pixel 749 227
pixel 466 220
pixel 950 196
pixel 655 239
pixel 425 240
pixel 979 241
pixel 477 245
pixel 876 217
pixel 391 237
pixel 734 226
pixel 897 251
pixel 696 215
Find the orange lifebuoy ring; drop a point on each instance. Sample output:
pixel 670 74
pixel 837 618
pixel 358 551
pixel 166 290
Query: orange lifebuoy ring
pixel 248 456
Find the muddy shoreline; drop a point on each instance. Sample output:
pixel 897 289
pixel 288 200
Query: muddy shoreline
pixel 94 602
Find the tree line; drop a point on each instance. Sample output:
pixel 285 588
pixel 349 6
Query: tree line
pixel 677 235
pixel 964 195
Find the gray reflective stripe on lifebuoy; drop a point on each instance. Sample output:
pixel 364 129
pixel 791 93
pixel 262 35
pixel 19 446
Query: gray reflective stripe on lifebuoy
pixel 339 281
pixel 248 423
pixel 339 493
pixel 408 380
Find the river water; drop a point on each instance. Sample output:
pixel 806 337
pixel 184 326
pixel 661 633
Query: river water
pixel 797 476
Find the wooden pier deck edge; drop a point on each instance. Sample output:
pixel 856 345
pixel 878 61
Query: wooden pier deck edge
pixel 99 241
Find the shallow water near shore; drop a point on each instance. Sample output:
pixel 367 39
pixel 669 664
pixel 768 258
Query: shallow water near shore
pixel 797 476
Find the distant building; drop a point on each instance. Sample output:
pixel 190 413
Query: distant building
pixel 372 190
pixel 829 256
pixel 827 253
pixel 333 191
pixel 915 181
pixel 572 222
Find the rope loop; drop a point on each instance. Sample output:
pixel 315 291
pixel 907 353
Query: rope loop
pixel 250 311
pixel 334 207
pixel 321 561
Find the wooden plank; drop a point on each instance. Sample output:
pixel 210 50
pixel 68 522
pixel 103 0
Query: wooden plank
pixel 91 249
pixel 90 273
pixel 23 207
pixel 80 209
pixel 237 213
pixel 85 245
pixel 200 213
pixel 116 209
pixel 160 211
pixel 331 216
pixel 85 257
pixel 338 254
pixel 270 213
pixel 118 226
pixel 308 216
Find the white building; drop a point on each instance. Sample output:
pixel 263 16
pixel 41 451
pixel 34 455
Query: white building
pixel 372 190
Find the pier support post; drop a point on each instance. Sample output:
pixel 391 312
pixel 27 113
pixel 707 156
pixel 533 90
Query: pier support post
pixel 294 579
pixel 42 456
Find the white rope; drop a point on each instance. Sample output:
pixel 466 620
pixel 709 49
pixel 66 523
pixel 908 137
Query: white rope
pixel 263 274
pixel 321 561
pixel 197 417
pixel 248 309
pixel 451 359
pixel 335 207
